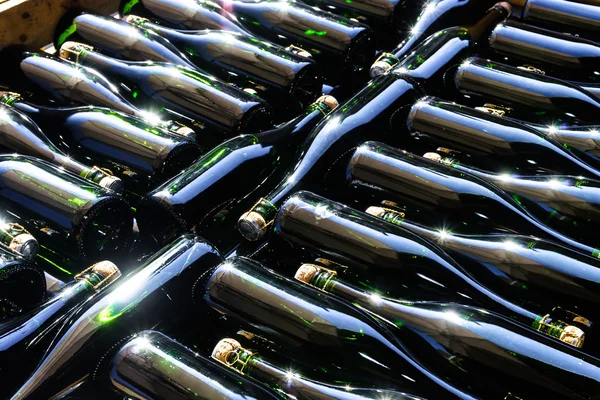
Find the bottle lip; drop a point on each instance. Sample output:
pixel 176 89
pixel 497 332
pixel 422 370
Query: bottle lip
pixel 71 50
pixel 112 183
pixel 329 101
pixel 223 349
pixel 135 19
pixel 307 272
pixel 25 244
pixel 106 269
pixel 8 97
pixel 252 226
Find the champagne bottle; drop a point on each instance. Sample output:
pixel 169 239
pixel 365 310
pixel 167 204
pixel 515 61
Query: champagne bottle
pixel 22 283
pixel 582 138
pixel 495 143
pixel 72 219
pixel 283 79
pixel 442 51
pixel 16 238
pixel 227 179
pixel 406 178
pixel 576 17
pixel 152 295
pixel 139 154
pixel 436 15
pixel 153 365
pixel 573 203
pixel 66 82
pixel 514 265
pixel 378 109
pixel 557 54
pixel 20 134
pixel 230 353
pixel 534 97
pixel 396 260
pixel 184 90
pixel 481 351
pixel 343 48
pixel 27 337
pixel 320 324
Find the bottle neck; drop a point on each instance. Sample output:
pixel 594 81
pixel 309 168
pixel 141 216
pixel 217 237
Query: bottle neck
pixel 86 56
pixel 485 25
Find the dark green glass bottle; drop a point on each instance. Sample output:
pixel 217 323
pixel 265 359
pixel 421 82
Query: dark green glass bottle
pixel 421 53
pixel 153 365
pixel 18 133
pixel 557 54
pixel 73 220
pixel 208 197
pixel 404 264
pixel 69 83
pixel 545 100
pixel 139 154
pixel 196 95
pixel 342 47
pixel 473 205
pixel 25 339
pixel 480 351
pixel 314 322
pixel 151 296
pixel 288 383
pixel 22 283
pixel 495 143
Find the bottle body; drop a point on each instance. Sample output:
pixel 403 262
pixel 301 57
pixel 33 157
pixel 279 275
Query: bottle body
pixel 575 18
pixel 183 90
pixel 288 82
pixel 343 332
pixel 153 357
pixel 342 46
pixel 139 154
pixel 449 330
pixel 537 98
pixel 137 302
pixel 72 219
pixel 27 337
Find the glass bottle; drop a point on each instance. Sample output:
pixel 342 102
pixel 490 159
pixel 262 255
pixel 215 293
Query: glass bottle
pixel 22 283
pixel 196 95
pixel 73 220
pixel 25 339
pixel 140 154
pixel 151 296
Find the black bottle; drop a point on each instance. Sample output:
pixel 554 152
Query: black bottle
pixel 495 143
pixel 22 283
pixel 196 95
pixel 543 272
pixel 73 220
pixel 153 365
pixel 16 238
pixel 286 81
pixel 575 17
pixel 573 203
pixel 580 137
pixel 440 53
pixel 376 111
pixel 208 197
pixel 18 133
pixel 471 347
pixel 141 155
pixel 66 82
pixel 343 48
pixel 533 97
pixel 25 339
pixel 315 322
pixel 151 296
pixel 435 16
pixel 473 205
pixel 557 54
pixel 405 264
pixel 291 385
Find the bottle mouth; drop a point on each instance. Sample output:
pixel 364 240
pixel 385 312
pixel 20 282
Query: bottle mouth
pixel 135 19
pixel 252 226
pixel 225 349
pixel 25 244
pixel 307 272
pixel 106 229
pixel 112 183
pixel 72 50
pixel 106 273
pixel 180 129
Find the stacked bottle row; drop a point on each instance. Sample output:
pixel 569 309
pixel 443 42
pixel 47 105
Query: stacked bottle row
pixel 430 237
